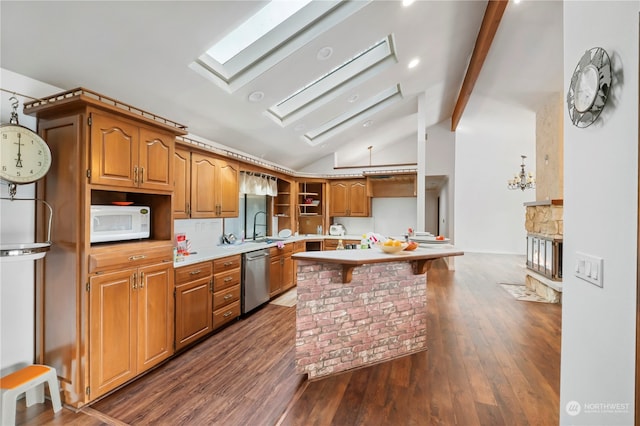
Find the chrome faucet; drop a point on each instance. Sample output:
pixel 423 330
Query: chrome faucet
pixel 255 216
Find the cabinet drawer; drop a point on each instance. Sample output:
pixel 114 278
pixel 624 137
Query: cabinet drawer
pixel 226 280
pixel 226 264
pixel 120 256
pixel 226 314
pixel 226 296
pixel 275 251
pixel 193 272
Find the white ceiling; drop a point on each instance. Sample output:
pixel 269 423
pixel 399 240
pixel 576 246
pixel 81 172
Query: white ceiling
pixel 140 52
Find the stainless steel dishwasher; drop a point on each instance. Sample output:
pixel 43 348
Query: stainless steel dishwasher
pixel 255 279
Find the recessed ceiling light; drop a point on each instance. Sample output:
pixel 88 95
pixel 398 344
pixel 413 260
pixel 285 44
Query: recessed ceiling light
pixel 351 99
pixel 367 123
pixel 406 3
pixel 256 96
pixel 413 63
pixel 324 53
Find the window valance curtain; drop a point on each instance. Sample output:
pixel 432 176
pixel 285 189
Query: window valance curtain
pixel 258 184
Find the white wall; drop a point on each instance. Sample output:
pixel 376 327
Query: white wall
pixel 440 161
pixel 489 141
pixel 17 292
pixel 600 218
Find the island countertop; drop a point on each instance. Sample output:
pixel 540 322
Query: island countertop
pixel 349 259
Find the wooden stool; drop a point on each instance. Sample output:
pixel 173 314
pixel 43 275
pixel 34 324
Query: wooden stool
pixel 29 380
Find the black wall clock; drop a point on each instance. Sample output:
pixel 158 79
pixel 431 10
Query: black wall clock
pixel 589 87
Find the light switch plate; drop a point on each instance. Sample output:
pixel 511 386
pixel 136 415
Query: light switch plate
pixel 589 268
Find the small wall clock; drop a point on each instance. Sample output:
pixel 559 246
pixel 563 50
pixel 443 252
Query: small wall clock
pixel 589 87
pixel 24 156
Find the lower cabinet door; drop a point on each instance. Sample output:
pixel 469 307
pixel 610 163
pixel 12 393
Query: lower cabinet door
pixel 112 330
pixel 193 311
pixel 130 324
pixel 155 314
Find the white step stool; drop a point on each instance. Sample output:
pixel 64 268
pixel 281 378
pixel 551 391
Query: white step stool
pixel 29 380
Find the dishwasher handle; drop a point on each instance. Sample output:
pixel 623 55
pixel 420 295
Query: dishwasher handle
pixel 255 256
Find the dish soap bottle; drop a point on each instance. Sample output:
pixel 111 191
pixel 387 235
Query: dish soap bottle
pixel 364 242
pixel 340 246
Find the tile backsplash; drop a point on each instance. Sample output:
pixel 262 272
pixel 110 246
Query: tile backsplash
pixel 201 233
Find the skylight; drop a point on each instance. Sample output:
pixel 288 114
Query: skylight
pixel 251 30
pixel 336 82
pixel 369 107
pixel 249 53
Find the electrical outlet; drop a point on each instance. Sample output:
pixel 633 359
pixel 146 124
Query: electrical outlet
pixel 589 268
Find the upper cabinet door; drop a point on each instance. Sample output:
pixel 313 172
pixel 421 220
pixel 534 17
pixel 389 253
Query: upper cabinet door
pixel 114 151
pixel 339 196
pixel 182 183
pixel 227 189
pixel 155 165
pixel 359 202
pixel 203 178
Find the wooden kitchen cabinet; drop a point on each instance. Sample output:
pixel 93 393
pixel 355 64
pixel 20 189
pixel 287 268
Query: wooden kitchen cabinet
pixel 130 323
pixel 349 198
pixel 181 183
pixel 284 205
pixel 311 206
pixel 194 286
pixel 226 290
pixel 107 309
pixel 280 269
pixel 129 155
pixel 206 186
pixel 332 244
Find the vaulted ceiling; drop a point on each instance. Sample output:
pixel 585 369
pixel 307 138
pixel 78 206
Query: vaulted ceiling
pixel 149 54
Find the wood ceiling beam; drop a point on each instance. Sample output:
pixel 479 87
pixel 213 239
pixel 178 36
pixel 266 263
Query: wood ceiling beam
pixel 490 23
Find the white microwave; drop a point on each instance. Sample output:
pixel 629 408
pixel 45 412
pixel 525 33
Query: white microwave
pixel 118 223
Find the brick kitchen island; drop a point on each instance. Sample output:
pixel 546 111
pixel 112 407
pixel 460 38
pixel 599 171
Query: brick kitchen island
pixel 361 307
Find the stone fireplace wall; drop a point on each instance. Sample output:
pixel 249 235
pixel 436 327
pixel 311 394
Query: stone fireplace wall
pixel 544 216
pixel 544 219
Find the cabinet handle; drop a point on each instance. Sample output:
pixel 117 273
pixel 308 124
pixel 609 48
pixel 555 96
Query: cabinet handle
pixel 228 296
pixel 211 286
pixel 135 174
pixel 137 257
pixel 135 281
pixel 187 208
pixel 226 314
pixel 141 280
pixel 228 263
pixel 227 279
pixel 196 272
pixel 141 175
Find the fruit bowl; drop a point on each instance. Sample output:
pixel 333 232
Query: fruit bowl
pixel 392 248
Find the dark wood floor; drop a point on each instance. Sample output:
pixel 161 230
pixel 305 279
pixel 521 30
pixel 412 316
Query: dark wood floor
pixel 491 360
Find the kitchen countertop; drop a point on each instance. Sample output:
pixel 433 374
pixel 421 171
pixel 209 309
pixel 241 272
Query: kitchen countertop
pixel 220 251
pixel 421 257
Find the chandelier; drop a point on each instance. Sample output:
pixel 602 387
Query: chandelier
pixel 522 180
